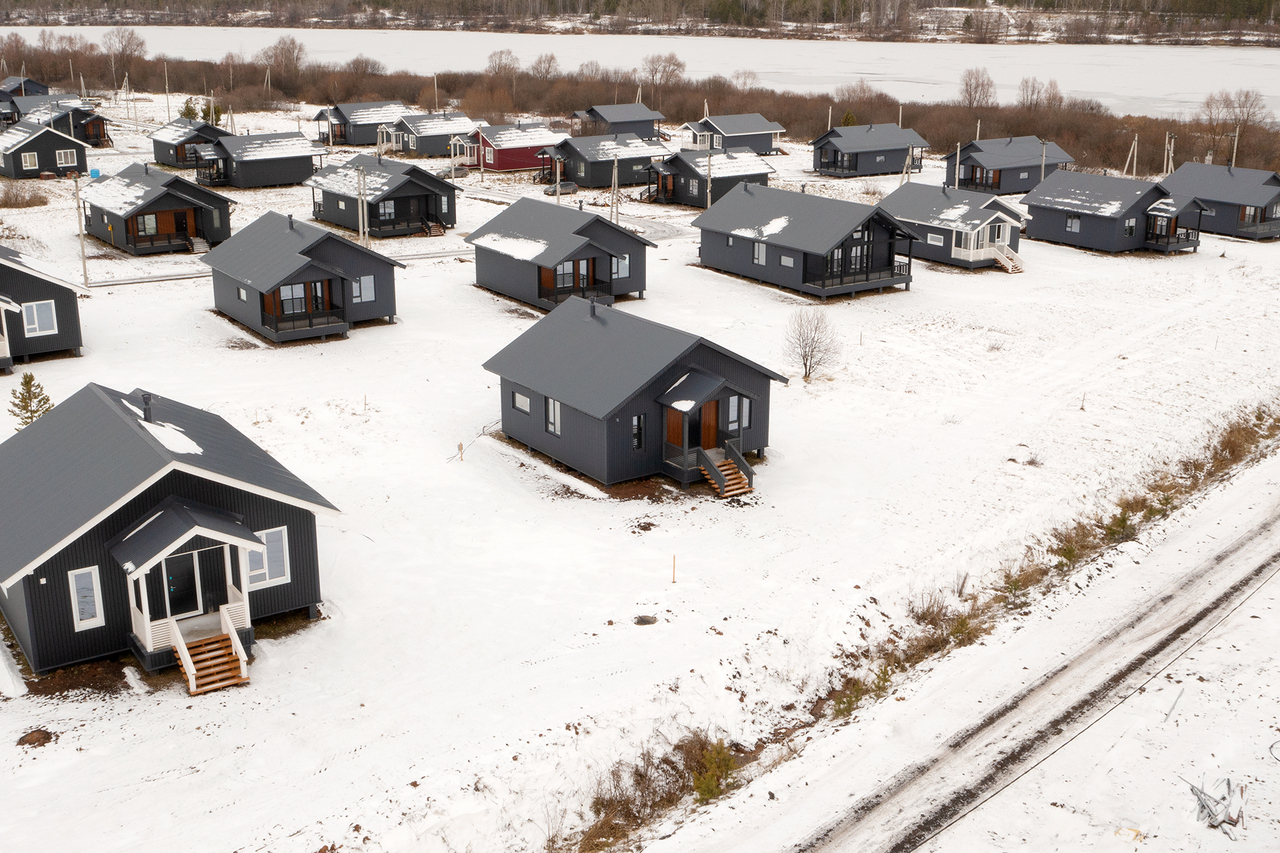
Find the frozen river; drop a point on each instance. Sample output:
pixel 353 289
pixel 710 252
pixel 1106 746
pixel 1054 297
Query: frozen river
pixel 1127 78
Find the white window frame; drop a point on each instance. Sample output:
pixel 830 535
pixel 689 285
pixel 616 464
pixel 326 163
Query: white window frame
pixel 342 205
pixel 66 157
pixel 31 320
pixel 621 266
pixel 717 141
pixel 693 186
pixel 99 618
pixel 759 254
pixel 242 294
pixel 521 402
pixel 1131 226
pixel 30 160
pixel 786 260
pixel 249 571
pixel 554 417
pixel 363 289
pixel 413 142
pixel 937 240
pixel 488 155
pixel 1073 223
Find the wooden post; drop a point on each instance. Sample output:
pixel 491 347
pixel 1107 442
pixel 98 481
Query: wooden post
pixel 167 116
pixel 957 178
pixel 1235 143
pixel 830 107
pixel 673 568
pixel 84 265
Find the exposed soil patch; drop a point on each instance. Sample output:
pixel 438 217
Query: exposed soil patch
pixel 241 343
pixel 284 625
pixel 37 737
pixel 100 676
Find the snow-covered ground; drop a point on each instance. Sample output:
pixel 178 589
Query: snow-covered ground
pixel 479 664
pixel 1119 76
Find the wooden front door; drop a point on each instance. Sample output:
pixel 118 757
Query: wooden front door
pixel 180 222
pixel 710 423
pixel 674 428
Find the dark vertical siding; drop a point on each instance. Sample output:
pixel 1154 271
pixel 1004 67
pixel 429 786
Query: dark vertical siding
pixel 355 262
pixel 620 243
pixel 226 300
pixel 1225 219
pixel 580 445
pixel 45 146
pixel 348 216
pixel 1098 233
pixel 515 278
pixel 284 171
pixel 55 642
pixel 738 259
pixel 23 288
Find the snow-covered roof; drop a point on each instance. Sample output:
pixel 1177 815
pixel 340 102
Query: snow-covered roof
pixel 181 129
pixel 505 136
pixel 733 163
pixel 381 176
pixel 53 108
pixel 374 112
pixel 625 146
pixel 19 133
pixel 270 146
pixel 438 124
pixel 946 207
pixel 137 185
pixel 542 232
pixel 870 137
pixel 745 124
pixel 1106 196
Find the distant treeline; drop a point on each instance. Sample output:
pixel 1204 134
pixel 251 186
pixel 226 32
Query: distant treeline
pixel 1165 21
pixel 1097 138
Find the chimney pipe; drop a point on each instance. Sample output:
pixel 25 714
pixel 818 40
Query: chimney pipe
pixel 290 221
pixel 802 186
pixel 146 168
pixel 146 408
pixel 593 306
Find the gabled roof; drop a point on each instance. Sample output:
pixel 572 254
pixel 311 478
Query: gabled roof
pixel 790 220
pixel 871 137
pixel 371 112
pixel 625 146
pixel 1106 196
pixel 137 185
pixel 1012 152
pixel 380 178
pixel 1231 185
pixel 55 107
pixel 24 131
pixel 731 163
pixel 735 125
pixel 439 124
pixel 182 129
pixel 14 84
pixel 613 113
pixel 171 523
pixel 15 260
pixel 269 146
pixel 596 364
pixel 504 136
pixel 93 452
pixel 1174 205
pixel 29 103
pixel 267 251
pixel 946 207
pixel 542 232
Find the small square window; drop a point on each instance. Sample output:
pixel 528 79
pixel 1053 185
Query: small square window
pixel 86 599
pixel 40 318
pixel 1022 176
pixel 342 205
pixel 879 158
pixel 520 402
pixel 242 294
pixel 786 260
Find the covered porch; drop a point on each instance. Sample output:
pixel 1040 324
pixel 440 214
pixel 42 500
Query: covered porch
pixel 590 278
pixel 661 184
pixel 306 309
pixel 211 168
pixel 705 422
pixel 1164 231
pixel 187 567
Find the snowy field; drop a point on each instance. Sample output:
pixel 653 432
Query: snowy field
pixel 479 663
pixel 1119 76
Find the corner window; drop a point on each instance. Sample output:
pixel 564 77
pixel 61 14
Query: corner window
pixel 622 266
pixel 1073 223
pixel 40 318
pixel 66 158
pixel 271 566
pixel 637 432
pixel 786 260
pixel 553 416
pixel 29 160
pixel 86 598
pixel 520 402
pixel 758 254
pixel 937 240
pixel 242 294
pixel 147 224
pixel 1130 226
pixel 386 210
pixel 362 289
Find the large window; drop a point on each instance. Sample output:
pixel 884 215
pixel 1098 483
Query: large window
pixel 271 566
pixel 622 266
pixel 739 413
pixel 1130 226
pixel 39 318
pixel 488 155
pixel 86 598
pixel 1249 214
pixel 835 261
pixel 293 298
pixel 29 160
pixel 66 158
pixel 693 186
pixel 1073 223
pixel 362 289
pixel 553 416
pixel 637 432
pixel 147 224
pixel 564 275
pixel 758 254
pixel 387 209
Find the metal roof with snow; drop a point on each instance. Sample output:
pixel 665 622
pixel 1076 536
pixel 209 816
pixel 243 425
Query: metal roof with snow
pixel 19 262
pixel 745 124
pixel 1226 184
pixel 381 176
pixel 137 185
pixel 14 84
pixel 372 112
pixel 790 220
pixel 76 464
pixel 946 207
pixel 1012 152
pixel 541 231
pixel 871 137
pixel 730 163
pixel 613 113
pixel 269 146
pixel 1106 196
pixel 596 364
pixel 438 124
pixel 503 136
pixel 625 146
pixel 181 130
pixel 22 132
pixel 267 251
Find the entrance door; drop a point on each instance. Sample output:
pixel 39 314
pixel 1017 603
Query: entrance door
pixel 182 585
pixel 180 222
pixel 710 423
pixel 675 427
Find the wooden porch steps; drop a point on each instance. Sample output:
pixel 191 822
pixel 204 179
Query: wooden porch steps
pixel 433 229
pixel 735 481
pixel 1009 261
pixel 198 245
pixel 215 662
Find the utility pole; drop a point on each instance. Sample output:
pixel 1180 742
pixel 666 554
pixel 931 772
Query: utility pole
pixel 830 107
pixel 435 86
pixel 557 162
pixel 167 116
pixel 979 136
pixel 1235 143
pixel 899 115
pixel 957 178
pixel 613 199
pixel 362 217
pixel 84 264
pixel 710 153
pixel 1044 150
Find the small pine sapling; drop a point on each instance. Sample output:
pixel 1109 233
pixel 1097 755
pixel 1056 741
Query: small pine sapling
pixel 29 401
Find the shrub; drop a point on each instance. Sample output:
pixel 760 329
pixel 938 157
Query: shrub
pixel 21 194
pixel 717 776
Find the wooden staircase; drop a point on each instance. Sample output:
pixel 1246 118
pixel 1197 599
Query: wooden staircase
pixel 215 662
pixel 735 481
pixel 432 228
pixel 1008 259
pixel 197 245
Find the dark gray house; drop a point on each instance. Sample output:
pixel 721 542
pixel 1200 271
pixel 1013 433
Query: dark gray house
pixel 66 114
pixel 20 87
pixel 148 211
pixel 135 523
pixel 749 130
pixel 868 149
pixel 588 160
pixel 1238 202
pixel 682 178
pixel 619 118
pixel 290 280
pixel 357 124
pixel 1106 213
pixel 617 397
pixel 428 134
pixel 542 253
pixel 258 160
pixel 400 198
pixel 28 149
pixel 815 245
pixel 963 228
pixel 175 143
pixel 39 312
pixel 1005 166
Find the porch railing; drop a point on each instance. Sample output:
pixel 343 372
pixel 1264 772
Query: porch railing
pixel 317 208
pixel 560 294
pixel 1261 229
pixel 676 456
pixel 313 320
pixel 1178 237
pixel 180 649
pixel 229 627
pixel 731 453
pixel 898 270
pixel 985 185
pixel 709 468
pixel 152 240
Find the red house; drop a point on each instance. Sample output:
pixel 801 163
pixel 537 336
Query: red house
pixel 508 147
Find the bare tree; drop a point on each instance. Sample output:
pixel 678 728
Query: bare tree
pixel 503 63
pixel 1030 94
pixel 662 70
pixel 545 67
pixel 977 89
pixel 123 45
pixel 284 58
pixel 810 341
pixel 1052 97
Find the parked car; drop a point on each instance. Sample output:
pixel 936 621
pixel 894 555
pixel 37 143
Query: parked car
pixel 566 187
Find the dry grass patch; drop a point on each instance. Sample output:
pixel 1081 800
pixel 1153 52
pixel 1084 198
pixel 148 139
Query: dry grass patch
pixel 21 194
